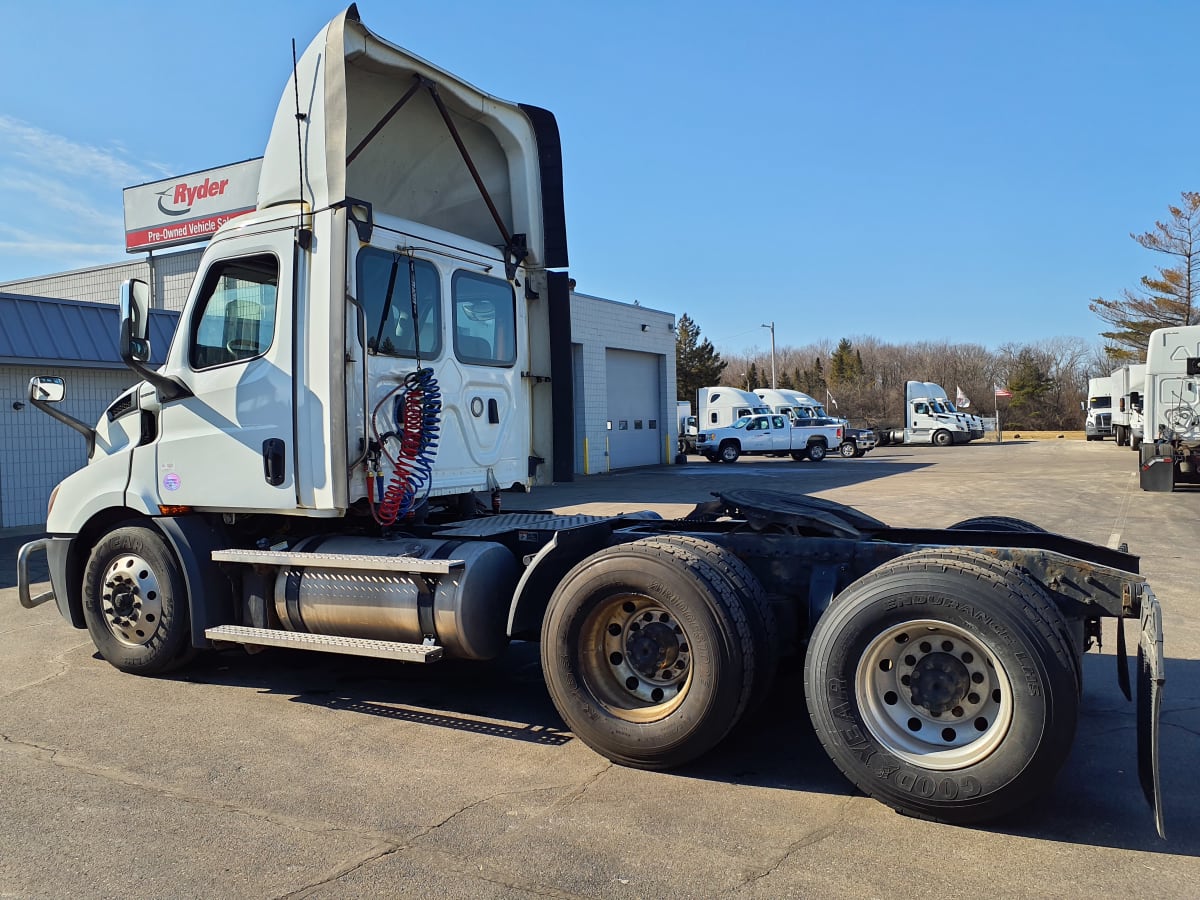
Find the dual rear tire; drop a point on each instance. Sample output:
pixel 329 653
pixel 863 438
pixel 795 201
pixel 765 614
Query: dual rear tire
pixel 943 684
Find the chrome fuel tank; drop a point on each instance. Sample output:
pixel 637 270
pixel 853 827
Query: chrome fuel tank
pixel 465 611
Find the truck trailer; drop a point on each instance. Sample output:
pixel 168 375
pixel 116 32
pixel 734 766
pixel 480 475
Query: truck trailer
pixel 367 361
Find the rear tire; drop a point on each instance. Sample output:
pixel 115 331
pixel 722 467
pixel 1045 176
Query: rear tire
pixel 135 602
pixel 938 687
pixel 648 653
pixel 816 452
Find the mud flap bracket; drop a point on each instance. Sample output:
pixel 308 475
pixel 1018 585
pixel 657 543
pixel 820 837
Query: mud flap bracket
pixel 1151 676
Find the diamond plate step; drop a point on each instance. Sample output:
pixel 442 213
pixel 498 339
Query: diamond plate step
pixel 326 643
pixel 358 561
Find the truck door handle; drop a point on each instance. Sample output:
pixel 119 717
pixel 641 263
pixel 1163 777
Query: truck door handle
pixel 493 412
pixel 274 461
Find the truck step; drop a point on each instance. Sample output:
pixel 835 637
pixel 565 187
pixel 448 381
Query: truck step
pixel 325 643
pixel 359 561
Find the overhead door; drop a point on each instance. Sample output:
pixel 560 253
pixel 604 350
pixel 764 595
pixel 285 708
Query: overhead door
pixel 635 426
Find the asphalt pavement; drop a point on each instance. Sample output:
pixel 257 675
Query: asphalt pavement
pixel 285 774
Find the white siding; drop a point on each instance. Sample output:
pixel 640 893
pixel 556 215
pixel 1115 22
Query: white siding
pixel 598 325
pixel 36 452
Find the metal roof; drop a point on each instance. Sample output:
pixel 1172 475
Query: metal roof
pixel 44 331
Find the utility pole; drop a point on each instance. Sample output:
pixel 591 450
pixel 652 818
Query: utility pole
pixel 772 327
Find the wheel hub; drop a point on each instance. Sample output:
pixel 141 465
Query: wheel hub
pixel 653 647
pixel 131 601
pixel 933 694
pixel 639 661
pixel 939 682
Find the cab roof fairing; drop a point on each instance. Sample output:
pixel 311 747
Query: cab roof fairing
pixel 349 78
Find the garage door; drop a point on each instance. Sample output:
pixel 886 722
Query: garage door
pixel 635 435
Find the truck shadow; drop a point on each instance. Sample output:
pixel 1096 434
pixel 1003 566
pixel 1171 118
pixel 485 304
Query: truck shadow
pixel 1096 800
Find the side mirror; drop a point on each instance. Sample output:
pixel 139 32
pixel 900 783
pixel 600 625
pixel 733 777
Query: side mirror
pixel 134 340
pixel 46 389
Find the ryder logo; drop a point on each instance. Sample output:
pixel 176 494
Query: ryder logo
pixel 183 195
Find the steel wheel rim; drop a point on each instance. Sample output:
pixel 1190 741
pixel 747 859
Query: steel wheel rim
pixel 933 695
pixel 131 600
pixel 636 658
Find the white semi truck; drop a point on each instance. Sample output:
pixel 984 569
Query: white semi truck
pixel 926 421
pixel 1170 450
pixel 1128 385
pixel 386 339
pixel 1097 422
pixel 943 403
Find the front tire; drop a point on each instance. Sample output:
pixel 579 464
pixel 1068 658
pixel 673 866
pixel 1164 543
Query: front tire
pixel 648 653
pixel 135 602
pixel 942 438
pixel 938 687
pixel 848 450
pixel 729 453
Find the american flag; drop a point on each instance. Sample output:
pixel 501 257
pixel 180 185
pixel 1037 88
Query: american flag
pixel 1002 391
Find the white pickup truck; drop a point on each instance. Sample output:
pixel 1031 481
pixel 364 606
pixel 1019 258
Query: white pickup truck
pixel 768 435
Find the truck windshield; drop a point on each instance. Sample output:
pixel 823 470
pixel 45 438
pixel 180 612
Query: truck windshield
pixel 1101 402
pixel 742 422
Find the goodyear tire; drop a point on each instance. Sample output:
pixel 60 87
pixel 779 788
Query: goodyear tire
pixel 937 686
pixel 817 451
pixel 648 654
pixel 729 452
pixel 848 450
pixel 135 602
pixel 942 438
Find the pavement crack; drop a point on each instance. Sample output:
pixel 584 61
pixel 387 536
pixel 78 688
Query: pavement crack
pixel 56 757
pixel 374 854
pixel 816 836
pixel 60 660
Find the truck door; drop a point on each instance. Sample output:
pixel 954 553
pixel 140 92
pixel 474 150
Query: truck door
pixel 230 444
pixel 781 434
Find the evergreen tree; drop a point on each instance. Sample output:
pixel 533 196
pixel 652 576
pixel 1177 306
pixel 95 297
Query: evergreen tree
pixel 785 381
pixel 697 363
pixel 752 377
pixel 1163 300
pixel 845 365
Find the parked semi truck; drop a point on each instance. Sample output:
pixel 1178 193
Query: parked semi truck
pixel 261 490
pixel 1170 450
pixel 1128 385
pixel 943 403
pixel 926 422
pixel 688 429
pixel 1097 421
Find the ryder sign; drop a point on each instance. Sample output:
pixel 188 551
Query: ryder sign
pixel 190 207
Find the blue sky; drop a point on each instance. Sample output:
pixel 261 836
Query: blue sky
pixel 905 170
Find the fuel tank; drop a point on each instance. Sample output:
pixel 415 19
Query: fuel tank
pixel 464 611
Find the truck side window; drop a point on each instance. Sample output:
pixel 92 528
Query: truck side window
pixel 235 318
pixel 485 320
pixel 778 422
pixel 390 330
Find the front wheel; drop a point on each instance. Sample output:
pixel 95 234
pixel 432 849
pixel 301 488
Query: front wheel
pixel 816 452
pixel 937 686
pixel 729 453
pixel 942 438
pixel 135 602
pixel 648 653
pixel 848 450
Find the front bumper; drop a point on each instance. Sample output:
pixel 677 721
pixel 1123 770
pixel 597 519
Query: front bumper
pixel 56 549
